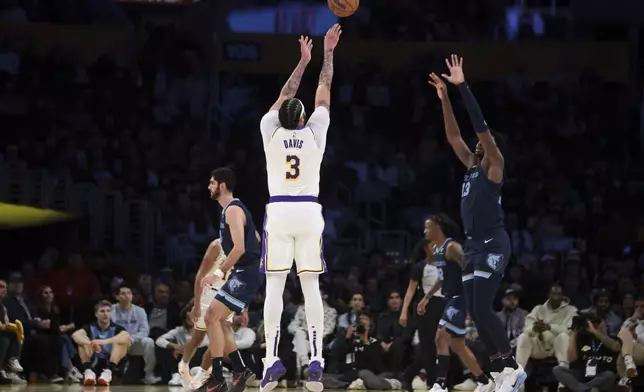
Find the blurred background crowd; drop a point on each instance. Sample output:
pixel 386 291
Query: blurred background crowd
pixel 125 143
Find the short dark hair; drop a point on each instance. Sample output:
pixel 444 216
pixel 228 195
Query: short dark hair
pixel 638 298
pixel 419 253
pixel 448 226
pixel 102 303
pixel 225 175
pixel 290 113
pixel 121 287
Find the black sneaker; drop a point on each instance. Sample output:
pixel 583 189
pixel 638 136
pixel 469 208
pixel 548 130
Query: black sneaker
pixel 241 379
pixel 214 385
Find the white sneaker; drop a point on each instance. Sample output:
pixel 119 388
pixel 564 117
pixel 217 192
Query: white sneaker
pixel 199 379
pixel 513 379
pixel 74 375
pixel 151 379
pixel 15 378
pixel 437 388
pixel 418 384
pixel 467 385
pixel 13 366
pixel 184 373
pixel 89 378
pixel 489 387
pixel 175 381
pixel 357 384
pixel 106 378
pixel 56 379
pixel 395 384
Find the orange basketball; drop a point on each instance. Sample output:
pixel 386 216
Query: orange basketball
pixel 343 8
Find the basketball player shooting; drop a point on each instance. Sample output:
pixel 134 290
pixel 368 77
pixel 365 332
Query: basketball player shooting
pixel 487 247
pixel 293 225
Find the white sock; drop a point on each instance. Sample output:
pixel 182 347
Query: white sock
pixel 314 313
pixel 273 307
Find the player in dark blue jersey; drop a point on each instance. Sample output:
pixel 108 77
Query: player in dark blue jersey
pixel 448 257
pixel 487 247
pixel 239 242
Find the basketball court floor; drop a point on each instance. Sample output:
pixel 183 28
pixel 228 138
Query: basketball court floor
pixel 114 388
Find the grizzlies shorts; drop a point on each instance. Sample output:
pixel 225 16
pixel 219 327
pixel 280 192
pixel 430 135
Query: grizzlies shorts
pixel 487 256
pixel 454 315
pixel 209 293
pixel 240 288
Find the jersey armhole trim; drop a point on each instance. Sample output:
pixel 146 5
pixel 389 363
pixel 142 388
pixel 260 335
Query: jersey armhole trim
pixel 312 133
pixel 273 134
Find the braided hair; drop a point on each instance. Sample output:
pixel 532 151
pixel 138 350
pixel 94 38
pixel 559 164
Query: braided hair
pixel 290 113
pixel 448 226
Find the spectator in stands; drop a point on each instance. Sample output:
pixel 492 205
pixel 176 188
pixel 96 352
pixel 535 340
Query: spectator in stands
pixel 601 307
pixel 9 344
pixel 75 283
pixel 146 287
pixel 101 346
pixel 59 344
pixel 164 314
pixel 546 330
pixel 184 293
pixel 366 369
pixel 393 337
pixel 135 322
pixel 356 305
pixel 173 342
pixel 592 354
pixel 300 331
pixel 632 337
pixel 512 315
pixel 37 340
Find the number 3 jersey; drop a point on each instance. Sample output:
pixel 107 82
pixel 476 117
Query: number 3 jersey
pixel 293 157
pixel 450 272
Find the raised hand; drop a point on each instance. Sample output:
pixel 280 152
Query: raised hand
pixel 332 37
pixel 306 44
pixel 441 88
pixel 455 66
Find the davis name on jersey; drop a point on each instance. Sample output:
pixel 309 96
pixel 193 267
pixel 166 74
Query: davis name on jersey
pixel 294 157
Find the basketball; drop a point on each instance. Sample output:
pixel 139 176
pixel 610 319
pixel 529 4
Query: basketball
pixel 344 8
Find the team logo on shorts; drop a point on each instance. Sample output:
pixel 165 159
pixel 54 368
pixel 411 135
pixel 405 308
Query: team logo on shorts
pixel 235 284
pixel 495 261
pixel 451 312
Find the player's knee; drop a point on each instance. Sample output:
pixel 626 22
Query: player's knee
pixel 442 339
pixel 458 344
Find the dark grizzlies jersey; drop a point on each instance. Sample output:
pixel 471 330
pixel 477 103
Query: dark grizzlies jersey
pixel 94 332
pixel 450 271
pixel 251 255
pixel 481 208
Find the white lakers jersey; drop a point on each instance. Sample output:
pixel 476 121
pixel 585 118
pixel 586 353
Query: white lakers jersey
pixel 293 157
pixel 220 259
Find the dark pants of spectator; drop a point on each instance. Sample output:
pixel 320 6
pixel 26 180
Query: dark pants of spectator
pixel 395 357
pixel 425 357
pixel 41 354
pixel 167 363
pixel 571 379
pixel 67 353
pixel 155 332
pixel 374 381
pixel 9 347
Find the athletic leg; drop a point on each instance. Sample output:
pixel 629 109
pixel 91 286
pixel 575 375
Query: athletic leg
pixel 309 259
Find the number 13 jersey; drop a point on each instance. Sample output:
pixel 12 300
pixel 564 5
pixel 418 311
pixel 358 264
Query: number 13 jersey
pixel 294 157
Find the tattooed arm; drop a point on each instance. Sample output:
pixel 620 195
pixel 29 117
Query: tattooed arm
pixel 293 83
pixel 323 93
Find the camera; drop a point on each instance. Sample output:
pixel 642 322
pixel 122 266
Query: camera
pixel 360 329
pixel 581 319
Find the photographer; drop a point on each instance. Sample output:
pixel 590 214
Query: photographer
pixel 592 354
pixel 364 355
